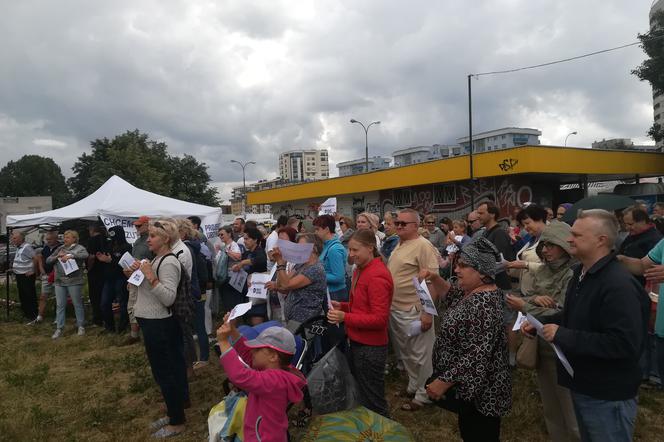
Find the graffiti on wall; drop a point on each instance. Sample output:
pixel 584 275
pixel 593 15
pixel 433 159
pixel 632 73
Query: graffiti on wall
pixel 448 199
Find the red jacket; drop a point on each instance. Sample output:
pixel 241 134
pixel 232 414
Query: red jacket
pixel 368 312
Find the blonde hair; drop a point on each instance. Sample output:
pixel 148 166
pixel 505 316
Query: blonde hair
pixel 423 232
pixel 166 230
pixel 73 233
pixel 372 219
pixel 185 227
pixel 459 222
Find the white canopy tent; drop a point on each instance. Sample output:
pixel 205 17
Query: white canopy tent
pixel 117 202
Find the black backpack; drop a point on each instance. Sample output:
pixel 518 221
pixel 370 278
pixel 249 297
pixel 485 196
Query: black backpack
pixel 183 306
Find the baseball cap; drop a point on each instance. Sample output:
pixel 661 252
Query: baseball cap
pixel 277 338
pixel 142 220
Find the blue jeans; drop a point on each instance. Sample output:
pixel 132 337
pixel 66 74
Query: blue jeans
pixel 201 332
pixel 115 288
pixel 604 421
pixel 75 292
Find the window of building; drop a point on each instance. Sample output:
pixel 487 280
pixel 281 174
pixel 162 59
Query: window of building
pixel 503 137
pixel 657 105
pixel 657 117
pixel 444 194
pixel 402 197
pixel 504 145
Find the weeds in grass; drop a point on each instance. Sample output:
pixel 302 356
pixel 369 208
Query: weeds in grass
pixel 33 377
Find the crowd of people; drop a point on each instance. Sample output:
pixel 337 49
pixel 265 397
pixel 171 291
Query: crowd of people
pixel 586 287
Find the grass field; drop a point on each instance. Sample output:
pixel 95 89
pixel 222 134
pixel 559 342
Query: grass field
pixel 89 389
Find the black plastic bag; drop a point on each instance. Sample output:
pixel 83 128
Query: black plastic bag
pixel 331 385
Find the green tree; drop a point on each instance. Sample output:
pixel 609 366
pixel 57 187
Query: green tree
pixel 33 175
pixel 652 69
pixel 145 164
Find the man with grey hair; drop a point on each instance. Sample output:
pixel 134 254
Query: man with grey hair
pixel 415 349
pixel 602 330
pixel 24 270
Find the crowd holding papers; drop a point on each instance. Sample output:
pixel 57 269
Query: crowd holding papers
pixel 329 207
pixel 258 289
pixel 425 297
pixel 561 356
pixel 126 261
pixel 238 279
pixel 295 253
pixel 69 266
pixel 239 310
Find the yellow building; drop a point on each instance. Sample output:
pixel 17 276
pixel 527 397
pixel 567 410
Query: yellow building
pixel 509 177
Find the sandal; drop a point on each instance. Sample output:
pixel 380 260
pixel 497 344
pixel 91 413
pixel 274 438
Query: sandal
pixel 404 394
pixel 200 364
pixel 412 406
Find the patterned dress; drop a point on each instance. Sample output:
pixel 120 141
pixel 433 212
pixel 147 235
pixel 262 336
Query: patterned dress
pixel 471 350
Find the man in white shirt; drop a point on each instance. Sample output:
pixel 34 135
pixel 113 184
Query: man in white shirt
pixel 271 241
pixel 24 269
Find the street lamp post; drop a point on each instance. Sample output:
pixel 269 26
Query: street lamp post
pixel 244 184
pixel 366 140
pixel 571 133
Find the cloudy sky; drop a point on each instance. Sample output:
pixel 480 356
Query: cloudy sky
pixel 245 79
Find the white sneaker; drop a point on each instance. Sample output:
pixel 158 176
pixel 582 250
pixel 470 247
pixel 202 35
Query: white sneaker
pixel 81 331
pixel 36 321
pixel 57 334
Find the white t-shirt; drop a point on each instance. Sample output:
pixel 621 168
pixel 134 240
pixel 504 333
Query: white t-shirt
pixel 233 247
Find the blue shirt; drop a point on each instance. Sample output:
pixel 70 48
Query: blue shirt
pixel 656 255
pixel 333 258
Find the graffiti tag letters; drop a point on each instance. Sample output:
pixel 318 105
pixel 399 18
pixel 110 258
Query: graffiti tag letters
pixel 508 164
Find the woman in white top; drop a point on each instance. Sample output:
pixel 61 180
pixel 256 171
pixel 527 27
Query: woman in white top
pixel 162 334
pixel 229 296
pixel 533 219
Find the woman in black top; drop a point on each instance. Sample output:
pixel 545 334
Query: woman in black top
pixel 254 260
pixel 115 281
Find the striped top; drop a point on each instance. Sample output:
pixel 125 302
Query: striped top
pixel 23 261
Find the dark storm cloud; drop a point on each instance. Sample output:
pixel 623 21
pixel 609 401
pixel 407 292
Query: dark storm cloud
pixel 246 80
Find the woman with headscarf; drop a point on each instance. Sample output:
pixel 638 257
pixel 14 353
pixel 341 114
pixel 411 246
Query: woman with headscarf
pixel 470 366
pixel 115 280
pixel 69 284
pixel 549 287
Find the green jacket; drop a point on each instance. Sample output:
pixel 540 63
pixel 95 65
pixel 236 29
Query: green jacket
pixel 552 278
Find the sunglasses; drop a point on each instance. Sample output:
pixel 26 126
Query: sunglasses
pixel 341 223
pixel 430 223
pixel 159 225
pixel 403 223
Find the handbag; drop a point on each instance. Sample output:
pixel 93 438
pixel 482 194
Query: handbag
pixel 450 401
pixel 526 355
